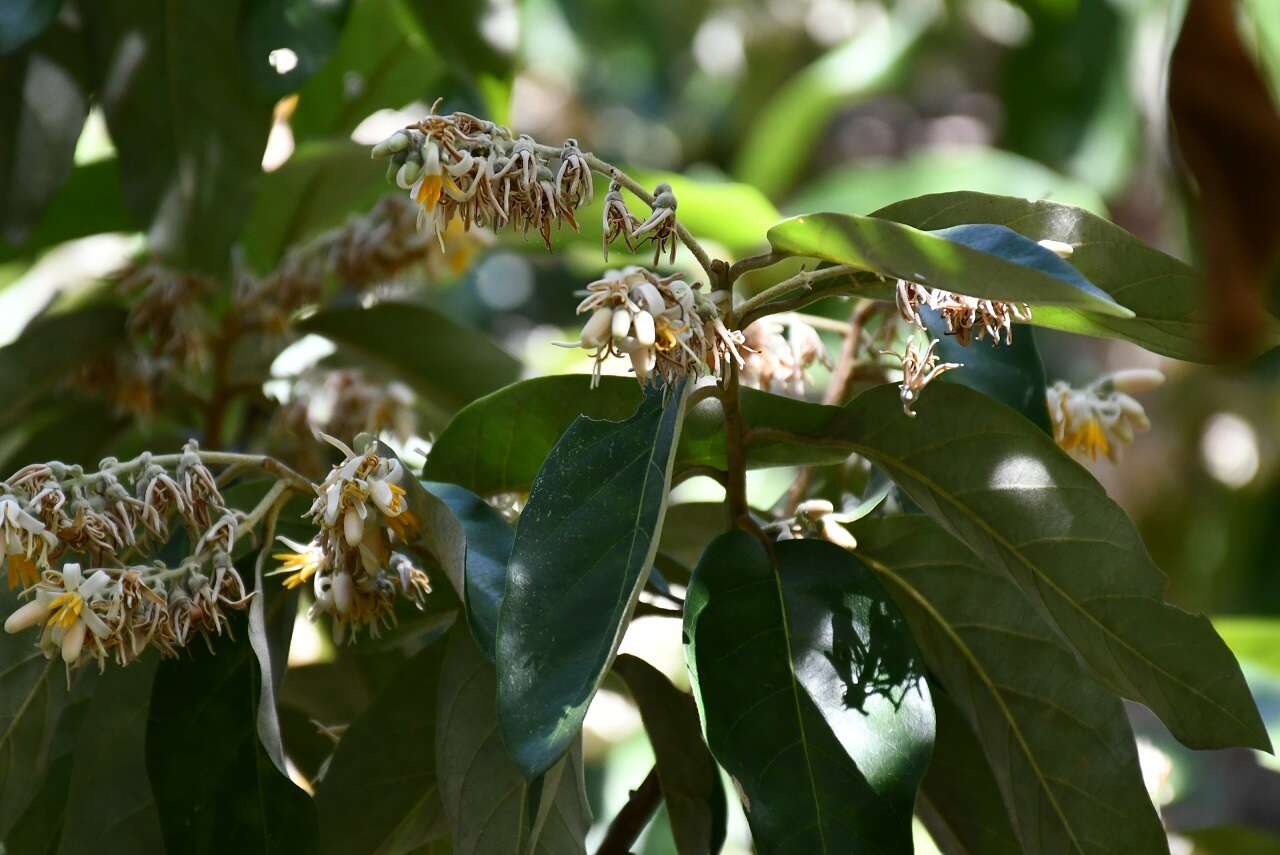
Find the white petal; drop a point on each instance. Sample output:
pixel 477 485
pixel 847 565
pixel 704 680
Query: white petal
pixel 95 624
pixel 27 616
pixel 73 642
pixel 71 577
pixel 353 527
pixel 93 586
pixel 621 323
pixel 342 592
pixel 646 335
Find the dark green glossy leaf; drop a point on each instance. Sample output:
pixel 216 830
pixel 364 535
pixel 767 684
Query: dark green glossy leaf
pixel 44 97
pixel 583 546
pixel 479 779
pixel 1055 741
pixel 308 28
pixel 982 260
pixel 109 806
pixel 447 362
pixel 318 188
pixel 959 801
pixel 1020 503
pixel 23 20
pixel 382 61
pixel 380 794
pixel 811 694
pixel 89 202
pixel 488 546
pixel 689 776
pixel 1163 293
pixel 216 785
pixel 190 141
pixel 1011 373
pixel 498 443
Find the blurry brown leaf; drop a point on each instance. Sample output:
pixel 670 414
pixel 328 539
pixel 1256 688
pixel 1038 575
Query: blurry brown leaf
pixel 1228 134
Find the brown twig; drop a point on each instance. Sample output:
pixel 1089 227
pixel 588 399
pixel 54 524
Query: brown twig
pixel 633 817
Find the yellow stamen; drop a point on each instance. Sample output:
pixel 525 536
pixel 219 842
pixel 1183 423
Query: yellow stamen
pixel 65 609
pixel 429 191
pixel 304 563
pixel 22 572
pixel 397 499
pixel 405 526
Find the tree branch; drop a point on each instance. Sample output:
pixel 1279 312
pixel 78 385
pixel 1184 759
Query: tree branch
pixel 633 817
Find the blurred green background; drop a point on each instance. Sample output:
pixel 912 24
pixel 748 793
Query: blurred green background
pixel 216 135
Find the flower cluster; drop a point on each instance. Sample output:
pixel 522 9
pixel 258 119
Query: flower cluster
pixel 1103 416
pixel 459 166
pixel 666 327
pixel 660 227
pixel 919 369
pixel 966 317
pixel 353 565
pixel 780 354
pixel 347 402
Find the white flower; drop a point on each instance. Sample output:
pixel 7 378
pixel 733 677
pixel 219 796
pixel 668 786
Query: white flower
pixel 1102 417
pixel 66 611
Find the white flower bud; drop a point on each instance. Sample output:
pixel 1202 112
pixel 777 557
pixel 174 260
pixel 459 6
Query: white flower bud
pixel 397 142
pixel 621 323
pixel 835 533
pixel 73 643
pixel 646 335
pixel 27 616
pixel 383 498
pixel 595 332
pixel 342 592
pixel 814 508
pixel 408 174
pixel 1058 248
pixel 353 527
pixel 1135 380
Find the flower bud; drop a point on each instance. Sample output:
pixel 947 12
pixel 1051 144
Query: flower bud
pixel 408 174
pixel 383 498
pixel 353 527
pixel 646 335
pixel 1135 380
pixel 835 533
pixel 814 508
pixel 595 332
pixel 73 643
pixel 621 323
pixel 397 142
pixel 27 616
pixel 1058 248
pixel 342 592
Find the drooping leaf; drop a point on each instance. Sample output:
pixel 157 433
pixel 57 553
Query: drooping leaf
pixel 308 29
pixel 380 794
pixel 1055 742
pixel 960 802
pixel 1011 373
pixel 1163 293
pixel 488 546
pixel 478 777
pixel 1021 504
pixel 215 784
pixel 691 787
pixel 190 140
pixel 23 20
pixel 44 98
pixel 583 546
pixel 109 806
pixel 810 693
pixel 450 364
pixel 383 61
pixel 316 189
pixel 987 260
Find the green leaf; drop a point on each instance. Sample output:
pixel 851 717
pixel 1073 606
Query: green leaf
pixel 488 547
pixel 498 443
pixel 810 693
pixel 689 776
pixel 456 31
pixel 380 794
pixel 1056 742
pixel 44 98
pixel 29 364
pixel 316 189
pixel 1021 504
pixel 1163 293
pixel 1254 640
pixel 981 260
pixel 216 786
pixel 959 801
pixel 479 779
pixel 861 189
pixel 89 202
pixel 109 806
pixel 450 364
pixel 308 28
pixel 1232 840
pixel 383 61
pixel 188 132
pixel 1011 373
pixel 23 20
pixel 583 546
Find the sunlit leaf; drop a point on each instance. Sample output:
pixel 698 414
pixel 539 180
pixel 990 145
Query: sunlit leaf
pixel 981 260
pixel 811 694
pixel 690 780
pixel 583 546
pixel 1055 741
pixel 1255 640
pixel 1162 292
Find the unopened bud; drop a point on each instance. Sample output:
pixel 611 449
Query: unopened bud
pixel 408 173
pixel 342 592
pixel 27 616
pixel 1135 380
pixel 353 527
pixel 397 142
pixel 646 335
pixel 595 332
pixel 621 323
pixel 73 642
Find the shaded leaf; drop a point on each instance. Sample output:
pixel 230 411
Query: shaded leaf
pixel 478 778
pixel 1056 742
pixel 1021 504
pixel 829 737
pixel 308 28
pixel 583 546
pixel 44 98
pixel 1163 293
pixel 981 260
pixel 90 201
pixel 450 364
pixel 457 32
pixel 23 20
pixel 689 776
pixel 29 364
pixel 380 793
pixel 189 141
